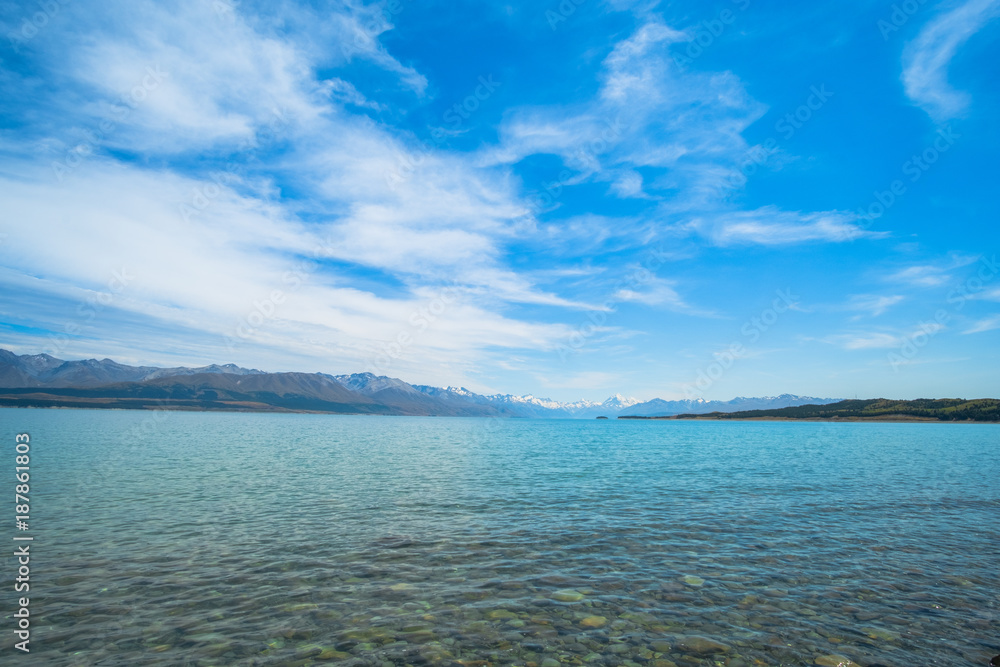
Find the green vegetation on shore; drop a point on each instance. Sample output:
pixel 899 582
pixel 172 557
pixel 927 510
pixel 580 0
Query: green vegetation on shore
pixel 878 409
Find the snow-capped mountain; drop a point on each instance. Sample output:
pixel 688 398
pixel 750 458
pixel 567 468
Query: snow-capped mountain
pixel 534 406
pixel 699 406
pixel 619 402
pixel 360 392
pixel 368 384
pixel 506 405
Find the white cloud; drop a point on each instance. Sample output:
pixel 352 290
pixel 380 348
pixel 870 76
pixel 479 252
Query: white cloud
pixel 183 76
pixel 866 341
pixel 927 58
pixel 773 227
pixel 987 295
pixel 633 70
pixel 646 113
pixel 873 304
pixel 684 128
pixel 221 78
pixel 930 275
pixel 877 340
pixel 921 276
pixel 982 326
pixel 206 273
pixel 629 186
pixel 370 200
pixel 364 24
pixel 657 293
pixel 345 93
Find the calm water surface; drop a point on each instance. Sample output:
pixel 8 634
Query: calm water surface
pixel 241 539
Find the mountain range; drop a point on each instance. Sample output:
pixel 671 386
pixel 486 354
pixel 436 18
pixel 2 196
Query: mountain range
pixel 41 380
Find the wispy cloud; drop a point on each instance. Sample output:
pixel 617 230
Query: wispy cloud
pixel 921 276
pixel 880 340
pixel 930 275
pixel 927 58
pixel 872 304
pixel 645 114
pixel 240 238
pixel 654 132
pixel 865 341
pixel 660 293
pixel 984 325
pixel 345 93
pixel 987 295
pixel 771 226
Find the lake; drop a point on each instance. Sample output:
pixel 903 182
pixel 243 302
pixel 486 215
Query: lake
pixel 253 539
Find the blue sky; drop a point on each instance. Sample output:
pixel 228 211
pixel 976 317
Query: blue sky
pixel 566 199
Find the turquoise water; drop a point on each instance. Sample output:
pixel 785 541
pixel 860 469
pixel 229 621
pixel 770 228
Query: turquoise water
pixel 245 539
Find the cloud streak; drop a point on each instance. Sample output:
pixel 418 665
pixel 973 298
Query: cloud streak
pixel 984 325
pixel 927 58
pixel 770 226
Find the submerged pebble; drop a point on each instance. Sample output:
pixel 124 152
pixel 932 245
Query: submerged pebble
pixel 835 661
pixel 567 595
pixel 502 564
pixel 703 645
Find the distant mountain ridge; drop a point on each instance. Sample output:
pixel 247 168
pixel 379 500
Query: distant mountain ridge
pixel 43 370
pixel 45 381
pixel 660 408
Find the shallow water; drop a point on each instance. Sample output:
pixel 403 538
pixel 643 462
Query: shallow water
pixel 244 539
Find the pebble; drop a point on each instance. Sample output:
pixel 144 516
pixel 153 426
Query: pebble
pixel 332 654
pixel 617 604
pixel 567 595
pixel 880 633
pixel 703 645
pixel 308 651
pixel 835 661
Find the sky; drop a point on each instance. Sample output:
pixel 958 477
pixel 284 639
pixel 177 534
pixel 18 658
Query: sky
pixel 567 199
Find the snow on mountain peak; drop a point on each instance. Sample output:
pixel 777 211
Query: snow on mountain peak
pixel 619 401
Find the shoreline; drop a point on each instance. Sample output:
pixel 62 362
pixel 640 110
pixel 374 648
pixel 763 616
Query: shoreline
pixel 831 420
pixel 238 410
